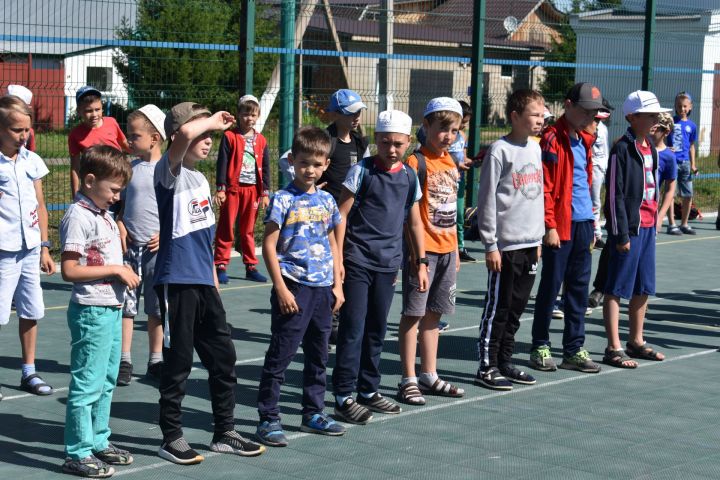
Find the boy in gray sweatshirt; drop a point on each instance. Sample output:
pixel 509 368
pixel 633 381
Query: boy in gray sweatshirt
pixel 511 224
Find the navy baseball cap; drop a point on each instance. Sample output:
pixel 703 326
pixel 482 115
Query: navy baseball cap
pixel 86 90
pixel 346 102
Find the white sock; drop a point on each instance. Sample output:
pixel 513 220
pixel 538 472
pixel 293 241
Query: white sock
pixel 407 380
pixel 428 378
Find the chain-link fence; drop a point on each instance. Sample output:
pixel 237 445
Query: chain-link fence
pixel 166 51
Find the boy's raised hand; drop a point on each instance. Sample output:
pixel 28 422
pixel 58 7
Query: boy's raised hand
pixel 127 276
pixel 223 120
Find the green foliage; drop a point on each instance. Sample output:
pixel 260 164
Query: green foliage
pixel 167 76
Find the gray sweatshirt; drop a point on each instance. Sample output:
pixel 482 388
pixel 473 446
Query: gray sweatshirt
pixel 510 197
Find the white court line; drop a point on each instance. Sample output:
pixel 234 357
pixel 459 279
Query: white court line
pixel 454 403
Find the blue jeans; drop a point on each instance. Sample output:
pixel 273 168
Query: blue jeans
pixel 570 264
pixel 361 333
pixel 94 361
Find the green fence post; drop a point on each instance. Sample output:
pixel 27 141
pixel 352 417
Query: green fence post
pixel 648 60
pixel 247 47
pixel 476 86
pixel 287 75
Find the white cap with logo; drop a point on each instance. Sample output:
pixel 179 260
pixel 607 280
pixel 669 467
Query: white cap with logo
pixel 156 117
pixel 393 121
pixel 21 92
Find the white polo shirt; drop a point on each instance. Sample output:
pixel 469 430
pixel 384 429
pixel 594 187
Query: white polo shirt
pixel 19 219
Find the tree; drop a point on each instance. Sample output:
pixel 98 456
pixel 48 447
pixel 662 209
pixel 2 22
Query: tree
pixel 166 76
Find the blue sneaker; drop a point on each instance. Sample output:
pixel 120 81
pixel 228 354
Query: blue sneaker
pixel 443 326
pixel 222 274
pixel 271 434
pixel 253 275
pixel 322 424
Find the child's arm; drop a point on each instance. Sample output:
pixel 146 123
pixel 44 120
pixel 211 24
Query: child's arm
pixel 74 175
pixel 190 131
pixel 416 232
pixel 266 177
pixel 487 211
pixel 124 237
pixel 47 264
pixel 666 202
pixel 693 166
pixel 285 298
pixel 224 156
pixel 337 280
pixel 548 145
pixel 72 271
pixel 347 199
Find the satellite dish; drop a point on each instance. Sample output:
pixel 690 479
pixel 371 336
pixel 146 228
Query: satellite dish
pixel 511 24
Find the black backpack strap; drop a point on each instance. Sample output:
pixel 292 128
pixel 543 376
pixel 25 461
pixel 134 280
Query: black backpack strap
pixel 363 186
pixel 422 168
pixel 412 190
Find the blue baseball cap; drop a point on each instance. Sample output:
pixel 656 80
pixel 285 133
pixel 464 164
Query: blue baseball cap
pixel 86 90
pixel 346 102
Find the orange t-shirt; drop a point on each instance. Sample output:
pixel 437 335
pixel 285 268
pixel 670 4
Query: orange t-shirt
pixel 438 205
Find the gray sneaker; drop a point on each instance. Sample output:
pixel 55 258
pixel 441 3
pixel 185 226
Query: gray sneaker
pixel 541 359
pixel 581 361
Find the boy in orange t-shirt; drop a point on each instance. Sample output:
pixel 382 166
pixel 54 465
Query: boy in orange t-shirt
pixel 422 310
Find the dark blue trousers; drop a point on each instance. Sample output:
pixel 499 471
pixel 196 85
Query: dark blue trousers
pixel 361 333
pixel 310 326
pixel 570 264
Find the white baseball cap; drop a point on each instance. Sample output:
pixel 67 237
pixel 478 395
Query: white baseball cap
pixel 21 92
pixel 156 117
pixel 440 104
pixel 641 101
pixel 393 121
pixel 249 98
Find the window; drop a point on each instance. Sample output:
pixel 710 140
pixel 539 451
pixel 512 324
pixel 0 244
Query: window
pixel 425 85
pixel 506 71
pixel 100 78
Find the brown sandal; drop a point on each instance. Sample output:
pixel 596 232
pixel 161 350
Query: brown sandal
pixel 442 388
pixel 410 394
pixel 644 352
pixel 617 358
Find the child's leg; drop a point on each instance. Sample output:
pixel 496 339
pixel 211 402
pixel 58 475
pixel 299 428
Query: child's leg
pixel 636 315
pixel 577 281
pixel 493 321
pixel 315 348
pixel 94 356
pixel 27 330
pixel 611 316
pixel 224 233
pixel 408 338
pixel 595 191
pixel 213 343
pixel 686 204
pixel 379 300
pixel 248 209
pixel 151 306
pixel 132 257
pixel 353 313
pixel 429 336
pixel 287 333
pixel 554 263
pixel 413 310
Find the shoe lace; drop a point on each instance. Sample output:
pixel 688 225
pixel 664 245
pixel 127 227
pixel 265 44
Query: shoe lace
pixel 543 352
pixel 582 355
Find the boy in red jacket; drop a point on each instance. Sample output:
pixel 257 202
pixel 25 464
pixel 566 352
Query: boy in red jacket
pixel 243 181
pixel 569 232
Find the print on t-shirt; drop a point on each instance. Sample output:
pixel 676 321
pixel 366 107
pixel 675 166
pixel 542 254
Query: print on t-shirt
pixel 442 199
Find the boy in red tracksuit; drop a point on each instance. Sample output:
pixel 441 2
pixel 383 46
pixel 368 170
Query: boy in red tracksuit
pixel 243 181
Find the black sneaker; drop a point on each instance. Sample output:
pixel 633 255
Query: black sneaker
pixel 466 257
pixel 599 244
pixel 124 374
pixel 687 230
pixel 595 299
pixel 154 371
pixel 492 379
pixel 178 451
pixel 515 375
pixel 233 442
pixel 380 404
pixel 352 412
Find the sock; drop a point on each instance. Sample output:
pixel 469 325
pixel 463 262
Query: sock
pixel 125 357
pixel 340 399
pixel 220 266
pixel 407 380
pixel 180 445
pixel 249 267
pixel 428 378
pixel 368 395
pixel 155 357
pixel 27 370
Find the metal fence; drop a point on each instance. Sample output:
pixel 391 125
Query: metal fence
pixel 166 51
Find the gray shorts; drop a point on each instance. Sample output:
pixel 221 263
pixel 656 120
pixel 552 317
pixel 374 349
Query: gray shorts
pixel 684 180
pixel 142 262
pixel 440 296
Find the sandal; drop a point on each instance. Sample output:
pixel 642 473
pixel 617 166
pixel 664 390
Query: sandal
pixel 442 388
pixel 36 389
pixel 618 359
pixel 410 394
pixel 644 352
pixel 89 467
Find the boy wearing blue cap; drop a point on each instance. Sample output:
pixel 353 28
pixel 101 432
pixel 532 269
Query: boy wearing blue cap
pixel 94 129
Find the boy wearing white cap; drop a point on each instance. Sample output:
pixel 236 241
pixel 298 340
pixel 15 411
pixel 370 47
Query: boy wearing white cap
pixel 422 308
pixel 139 226
pixel 24 94
pixel 631 212
pixel 243 182
pixel 370 246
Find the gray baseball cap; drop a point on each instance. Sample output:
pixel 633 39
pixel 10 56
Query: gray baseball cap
pixel 182 113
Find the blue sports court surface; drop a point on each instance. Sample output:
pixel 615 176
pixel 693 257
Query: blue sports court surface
pixel 658 422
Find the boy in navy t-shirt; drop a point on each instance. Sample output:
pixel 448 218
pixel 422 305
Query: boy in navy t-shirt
pixel 300 252
pixel 379 195
pixel 187 285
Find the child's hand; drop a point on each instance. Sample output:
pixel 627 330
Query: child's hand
pixel 464 167
pixel 493 261
pixel 47 264
pixel 339 298
pixel 265 202
pixel 623 248
pixel 422 275
pixel 223 120
pixel 220 198
pixel 127 276
pixel 287 302
pixel 457 261
pixel 154 243
pixel 551 239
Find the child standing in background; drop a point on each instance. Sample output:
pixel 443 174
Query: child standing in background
pixel 682 142
pixel 243 182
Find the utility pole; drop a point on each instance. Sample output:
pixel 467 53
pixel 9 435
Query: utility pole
pixel 287 75
pixel 387 17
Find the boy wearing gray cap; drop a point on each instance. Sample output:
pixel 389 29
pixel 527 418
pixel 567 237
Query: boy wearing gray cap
pixel 186 283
